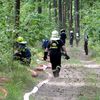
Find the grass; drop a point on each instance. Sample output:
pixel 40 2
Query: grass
pixel 92 79
pixel 15 91
pixel 31 97
pixel 21 81
pixel 97 59
pixel 73 52
pixel 97 97
pixel 1 94
pixel 73 61
pixel 83 98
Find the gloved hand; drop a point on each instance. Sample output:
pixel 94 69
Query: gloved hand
pixel 67 57
pixel 45 55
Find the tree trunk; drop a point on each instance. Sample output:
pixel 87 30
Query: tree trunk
pixel 60 14
pixel 77 27
pixel 67 17
pixel 49 10
pixel 70 16
pixel 17 15
pixel 64 14
pixel 39 7
pixel 55 9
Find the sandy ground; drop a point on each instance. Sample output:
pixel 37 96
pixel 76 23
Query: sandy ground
pixel 77 81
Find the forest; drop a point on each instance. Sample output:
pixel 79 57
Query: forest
pixel 35 20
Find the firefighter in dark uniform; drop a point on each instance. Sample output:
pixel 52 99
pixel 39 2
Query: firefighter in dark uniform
pixel 86 43
pixel 54 47
pixel 22 52
pixel 63 36
pixel 63 39
pixel 44 46
pixel 71 38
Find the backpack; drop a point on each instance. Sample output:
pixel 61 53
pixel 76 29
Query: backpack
pixel 45 43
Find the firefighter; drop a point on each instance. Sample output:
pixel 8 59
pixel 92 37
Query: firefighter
pixel 44 46
pixel 63 36
pixel 71 38
pixel 54 46
pixel 22 52
pixel 63 39
pixel 86 43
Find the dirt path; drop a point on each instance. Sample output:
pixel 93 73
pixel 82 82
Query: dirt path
pixel 79 80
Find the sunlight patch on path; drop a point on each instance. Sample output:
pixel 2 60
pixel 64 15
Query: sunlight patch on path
pixel 92 66
pixel 74 84
pixel 89 61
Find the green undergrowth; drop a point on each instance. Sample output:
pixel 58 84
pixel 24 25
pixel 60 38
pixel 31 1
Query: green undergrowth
pixel 97 97
pixel 95 52
pixel 71 61
pixel 20 81
pixel 91 80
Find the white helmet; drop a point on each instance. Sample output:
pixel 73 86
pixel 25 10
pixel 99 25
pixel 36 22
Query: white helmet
pixel 55 35
pixel 71 31
pixel 77 34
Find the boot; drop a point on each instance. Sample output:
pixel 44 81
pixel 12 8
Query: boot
pixel 55 73
pixel 45 55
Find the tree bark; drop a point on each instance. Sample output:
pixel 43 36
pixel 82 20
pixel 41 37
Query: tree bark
pixel 17 15
pixel 55 9
pixel 39 7
pixel 49 4
pixel 64 14
pixel 77 26
pixel 60 14
pixel 70 16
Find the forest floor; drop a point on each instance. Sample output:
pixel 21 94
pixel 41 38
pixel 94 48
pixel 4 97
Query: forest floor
pixel 79 79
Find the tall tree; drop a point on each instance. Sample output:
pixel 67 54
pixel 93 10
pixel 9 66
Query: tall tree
pixel 77 27
pixel 64 14
pixel 55 9
pixel 49 4
pixel 60 13
pixel 39 7
pixel 70 18
pixel 17 15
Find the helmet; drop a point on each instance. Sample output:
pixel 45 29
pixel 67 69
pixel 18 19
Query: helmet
pixel 55 35
pixel 77 34
pixel 71 31
pixel 20 39
pixel 62 30
pixel 55 32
